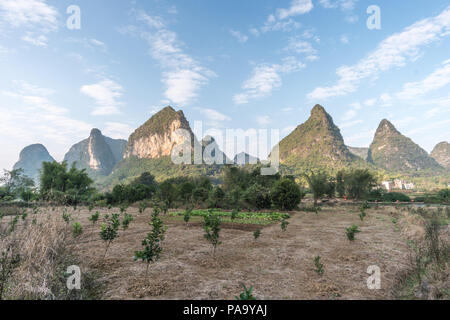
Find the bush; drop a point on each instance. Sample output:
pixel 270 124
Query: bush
pixel 258 197
pixel 444 195
pixel 396 196
pixel 286 194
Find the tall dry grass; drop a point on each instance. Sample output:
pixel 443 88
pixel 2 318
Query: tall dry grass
pixel 35 260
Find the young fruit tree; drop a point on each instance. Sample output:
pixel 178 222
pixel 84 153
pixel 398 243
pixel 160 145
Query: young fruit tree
pixel 94 217
pixel 152 242
pixel 257 234
pixel 211 226
pixel 351 231
pixel 109 230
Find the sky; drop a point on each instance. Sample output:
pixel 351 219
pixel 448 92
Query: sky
pixel 231 64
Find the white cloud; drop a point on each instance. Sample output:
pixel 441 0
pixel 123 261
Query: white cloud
pixel 297 7
pixel 350 114
pixel 28 115
pixel 29 13
pixel 300 46
pixel 392 52
pixel 39 41
pixel 265 79
pixel 105 93
pixel 436 80
pixel 117 130
pixel 214 115
pixel 342 4
pixel 344 39
pixel 35 16
pixel 182 75
pixel 386 99
pixel 242 38
pixel 263 120
pixel 349 124
pixel 370 102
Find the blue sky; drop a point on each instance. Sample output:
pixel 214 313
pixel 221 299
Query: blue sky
pixel 231 64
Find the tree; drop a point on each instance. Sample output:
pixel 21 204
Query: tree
pixel 152 242
pixel 66 186
pixel 216 196
pixel 16 184
pixel 340 185
pixel 319 183
pixel 359 183
pixel 286 194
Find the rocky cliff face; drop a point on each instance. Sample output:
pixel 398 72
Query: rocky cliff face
pixel 318 140
pixel 393 151
pixel 30 160
pixel 158 136
pixel 441 153
pixel 98 154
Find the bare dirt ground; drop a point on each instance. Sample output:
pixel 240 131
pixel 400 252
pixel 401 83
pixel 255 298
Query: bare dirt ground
pixel 279 265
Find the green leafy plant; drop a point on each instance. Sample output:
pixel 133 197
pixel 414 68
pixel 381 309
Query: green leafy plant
pixel 109 230
pixel 351 231
pixel 77 229
pixel 94 217
pixel 247 294
pixel 211 226
pixel 126 221
pixel 362 213
pixel 257 234
pixel 66 216
pixel 187 215
pixel 319 266
pixel 152 242
pixel 24 214
pixel 142 206
pixel 284 225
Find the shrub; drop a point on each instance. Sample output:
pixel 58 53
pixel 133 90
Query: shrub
pixel 351 231
pixel 258 197
pixel 396 196
pixel 77 229
pixel 187 215
pixel 284 224
pixel 257 234
pixel 211 226
pixel 444 195
pixel 286 194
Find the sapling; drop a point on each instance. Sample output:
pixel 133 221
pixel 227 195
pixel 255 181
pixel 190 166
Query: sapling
pixel 257 234
pixel 24 214
pixel 351 231
pixel 109 230
pixel 362 215
pixel 66 216
pixel 91 207
pixel 319 266
pixel 94 217
pixel 284 224
pixel 187 215
pixel 77 229
pixel 211 226
pixel 246 294
pixel 142 207
pixel 126 221
pixel 152 242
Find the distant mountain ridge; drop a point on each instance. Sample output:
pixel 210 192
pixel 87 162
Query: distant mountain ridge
pixel 97 153
pixel 317 140
pixel 30 160
pixel 393 151
pixel 441 153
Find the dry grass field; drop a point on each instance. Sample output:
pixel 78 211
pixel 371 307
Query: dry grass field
pixel 279 265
